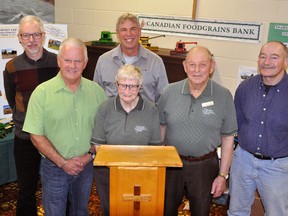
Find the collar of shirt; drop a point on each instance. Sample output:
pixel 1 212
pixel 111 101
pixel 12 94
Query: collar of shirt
pixel 60 84
pixel 117 53
pixel 208 91
pixel 42 59
pixel 278 86
pixel 118 107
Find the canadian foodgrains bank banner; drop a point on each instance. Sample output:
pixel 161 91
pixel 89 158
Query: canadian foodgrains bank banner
pixel 10 48
pixel 222 30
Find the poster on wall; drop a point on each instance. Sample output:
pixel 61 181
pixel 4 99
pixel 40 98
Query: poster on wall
pixel 245 72
pixel 278 32
pixel 10 48
pixel 13 10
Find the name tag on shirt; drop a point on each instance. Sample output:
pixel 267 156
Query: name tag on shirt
pixel 207 104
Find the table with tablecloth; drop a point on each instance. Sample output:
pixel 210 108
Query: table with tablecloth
pixel 7 163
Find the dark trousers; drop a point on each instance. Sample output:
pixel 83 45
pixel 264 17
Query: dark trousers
pixel 196 178
pixel 27 160
pixel 102 180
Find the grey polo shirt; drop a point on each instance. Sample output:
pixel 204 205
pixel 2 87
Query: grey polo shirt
pixel 139 127
pixel 152 69
pixel 195 126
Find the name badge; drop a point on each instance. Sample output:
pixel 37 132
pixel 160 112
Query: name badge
pixel 207 104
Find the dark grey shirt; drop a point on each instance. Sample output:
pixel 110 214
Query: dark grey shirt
pixel 195 126
pixel 139 127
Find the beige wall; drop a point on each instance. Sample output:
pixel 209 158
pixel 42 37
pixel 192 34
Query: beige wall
pixel 87 18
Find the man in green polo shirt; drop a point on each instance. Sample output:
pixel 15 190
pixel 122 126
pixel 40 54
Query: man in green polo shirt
pixel 60 120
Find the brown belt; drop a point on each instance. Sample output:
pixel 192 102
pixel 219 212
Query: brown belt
pixel 201 158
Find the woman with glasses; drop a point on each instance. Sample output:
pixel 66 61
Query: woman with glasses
pixel 125 119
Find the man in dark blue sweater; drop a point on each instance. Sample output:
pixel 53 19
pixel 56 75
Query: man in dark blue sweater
pixel 261 158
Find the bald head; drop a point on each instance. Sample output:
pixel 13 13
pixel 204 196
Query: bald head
pixel 199 50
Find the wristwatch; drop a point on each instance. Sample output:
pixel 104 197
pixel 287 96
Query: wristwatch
pixel 92 154
pixel 225 176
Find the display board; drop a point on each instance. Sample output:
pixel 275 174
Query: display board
pixel 278 32
pixel 10 48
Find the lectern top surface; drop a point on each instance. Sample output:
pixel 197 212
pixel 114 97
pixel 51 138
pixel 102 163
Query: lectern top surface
pixel 133 155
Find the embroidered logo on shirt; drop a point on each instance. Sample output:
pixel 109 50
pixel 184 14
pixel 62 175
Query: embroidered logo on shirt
pixel 208 111
pixel 139 129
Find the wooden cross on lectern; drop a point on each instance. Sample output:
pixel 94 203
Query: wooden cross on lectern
pixel 194 8
pixel 137 197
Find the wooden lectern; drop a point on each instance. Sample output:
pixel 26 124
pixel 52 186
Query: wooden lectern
pixel 137 177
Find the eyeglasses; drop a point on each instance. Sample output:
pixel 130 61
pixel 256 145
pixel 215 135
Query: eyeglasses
pixel 131 87
pixel 27 36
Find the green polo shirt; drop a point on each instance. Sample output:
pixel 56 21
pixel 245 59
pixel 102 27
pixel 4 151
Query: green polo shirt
pixel 65 118
pixel 195 125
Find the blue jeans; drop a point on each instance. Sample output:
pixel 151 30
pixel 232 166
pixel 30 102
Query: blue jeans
pixel 269 177
pixel 58 187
